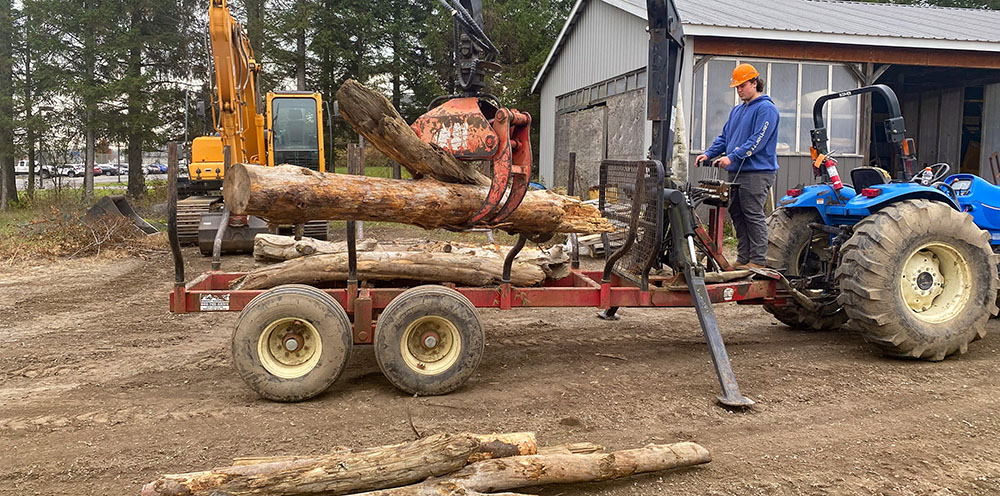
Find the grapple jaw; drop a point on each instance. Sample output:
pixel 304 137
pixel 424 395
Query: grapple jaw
pixel 474 129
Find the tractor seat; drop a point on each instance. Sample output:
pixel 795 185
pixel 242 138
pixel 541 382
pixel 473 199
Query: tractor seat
pixel 866 177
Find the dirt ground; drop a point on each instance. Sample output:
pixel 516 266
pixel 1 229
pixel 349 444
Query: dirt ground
pixel 102 390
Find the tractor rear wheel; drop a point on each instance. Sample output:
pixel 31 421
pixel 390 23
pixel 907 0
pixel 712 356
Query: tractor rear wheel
pixel 918 280
pixel 788 238
pixel 429 340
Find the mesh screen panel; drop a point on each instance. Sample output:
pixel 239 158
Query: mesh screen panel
pixel 632 190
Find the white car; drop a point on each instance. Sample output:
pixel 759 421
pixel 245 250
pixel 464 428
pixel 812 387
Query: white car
pixel 71 170
pixel 21 167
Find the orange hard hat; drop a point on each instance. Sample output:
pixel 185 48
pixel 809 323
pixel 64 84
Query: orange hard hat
pixel 743 73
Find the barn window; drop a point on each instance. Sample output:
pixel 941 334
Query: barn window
pixel 794 87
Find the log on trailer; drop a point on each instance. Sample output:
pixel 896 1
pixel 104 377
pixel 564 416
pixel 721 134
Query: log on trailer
pixel 276 247
pixel 343 473
pixel 372 115
pixel 292 195
pixel 467 270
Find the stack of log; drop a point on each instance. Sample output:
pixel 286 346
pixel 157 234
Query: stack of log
pixel 309 261
pixel 445 194
pixel 438 465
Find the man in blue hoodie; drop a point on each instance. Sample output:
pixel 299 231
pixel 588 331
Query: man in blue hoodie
pixel 747 149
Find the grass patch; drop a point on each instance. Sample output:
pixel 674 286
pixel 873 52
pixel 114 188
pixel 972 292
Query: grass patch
pixel 378 171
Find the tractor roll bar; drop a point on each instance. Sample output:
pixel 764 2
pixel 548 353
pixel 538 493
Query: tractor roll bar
pixel 895 130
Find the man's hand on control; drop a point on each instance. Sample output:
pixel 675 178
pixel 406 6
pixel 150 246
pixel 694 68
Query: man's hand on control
pixel 722 161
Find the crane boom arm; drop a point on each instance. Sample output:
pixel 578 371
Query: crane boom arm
pixel 240 123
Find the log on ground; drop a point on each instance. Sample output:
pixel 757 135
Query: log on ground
pixel 371 114
pixel 536 470
pixel 342 473
pixel 292 195
pixel 467 270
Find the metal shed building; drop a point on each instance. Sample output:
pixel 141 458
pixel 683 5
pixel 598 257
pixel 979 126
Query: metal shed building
pixel 943 63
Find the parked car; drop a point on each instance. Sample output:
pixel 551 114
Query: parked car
pixel 162 167
pixel 150 169
pixel 97 170
pixel 21 167
pixel 108 169
pixel 71 170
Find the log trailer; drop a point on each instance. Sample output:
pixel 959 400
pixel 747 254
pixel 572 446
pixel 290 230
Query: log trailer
pixel 287 128
pixel 291 342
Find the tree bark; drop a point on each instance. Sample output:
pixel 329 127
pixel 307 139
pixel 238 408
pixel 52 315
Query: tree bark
pixel 536 470
pixel 342 473
pixel 371 114
pixel 467 270
pixel 275 247
pixel 8 184
pixel 554 262
pixel 291 195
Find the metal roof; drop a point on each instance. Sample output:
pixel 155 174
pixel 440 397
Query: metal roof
pixel 824 21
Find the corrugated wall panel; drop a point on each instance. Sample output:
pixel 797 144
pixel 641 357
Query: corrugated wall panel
pixel 949 143
pixel 606 42
pixel 991 128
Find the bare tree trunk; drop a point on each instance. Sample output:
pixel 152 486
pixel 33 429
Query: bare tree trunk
pixel 371 114
pixel 342 473
pixel 29 103
pixel 136 179
pixel 8 185
pixel 466 270
pixel 289 194
pixel 536 470
pixel 300 52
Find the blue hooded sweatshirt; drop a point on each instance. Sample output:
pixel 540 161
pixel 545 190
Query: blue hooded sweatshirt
pixel 750 137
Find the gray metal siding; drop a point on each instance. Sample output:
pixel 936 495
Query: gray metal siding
pixel 605 43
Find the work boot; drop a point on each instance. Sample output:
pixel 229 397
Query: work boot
pixel 750 265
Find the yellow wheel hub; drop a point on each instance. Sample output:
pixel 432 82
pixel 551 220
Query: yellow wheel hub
pixel 431 345
pixel 935 283
pixel 289 348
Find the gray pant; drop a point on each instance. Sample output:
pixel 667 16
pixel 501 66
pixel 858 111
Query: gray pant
pixel 747 211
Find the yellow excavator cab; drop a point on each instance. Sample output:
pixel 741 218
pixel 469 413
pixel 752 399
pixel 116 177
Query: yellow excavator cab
pixel 295 129
pixel 206 159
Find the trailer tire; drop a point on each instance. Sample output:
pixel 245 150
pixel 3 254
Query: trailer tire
pixel 292 315
pixel 788 235
pixel 919 280
pixel 429 340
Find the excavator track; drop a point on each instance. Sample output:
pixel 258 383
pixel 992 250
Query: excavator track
pixel 189 212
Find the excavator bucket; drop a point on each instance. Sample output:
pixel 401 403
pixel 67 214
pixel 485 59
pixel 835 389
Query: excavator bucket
pixel 117 206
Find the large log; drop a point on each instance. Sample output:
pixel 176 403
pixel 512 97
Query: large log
pixel 291 195
pixel 342 473
pixel 275 247
pixel 371 114
pixel 536 470
pixel 467 270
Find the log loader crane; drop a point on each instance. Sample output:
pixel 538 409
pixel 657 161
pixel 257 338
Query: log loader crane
pixel 288 128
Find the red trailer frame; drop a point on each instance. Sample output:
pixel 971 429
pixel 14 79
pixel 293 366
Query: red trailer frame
pixel 210 292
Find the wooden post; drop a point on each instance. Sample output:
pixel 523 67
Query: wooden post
pixel 356 166
pixel 570 191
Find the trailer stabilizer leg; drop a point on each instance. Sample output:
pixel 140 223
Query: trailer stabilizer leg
pixel 710 327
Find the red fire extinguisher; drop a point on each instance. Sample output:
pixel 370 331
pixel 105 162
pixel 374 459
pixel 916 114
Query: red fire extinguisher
pixel 831 170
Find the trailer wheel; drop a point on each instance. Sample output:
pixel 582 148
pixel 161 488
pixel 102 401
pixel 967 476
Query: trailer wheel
pixel 919 280
pixel 291 343
pixel 429 340
pixel 788 238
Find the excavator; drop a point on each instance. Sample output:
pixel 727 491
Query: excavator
pixel 286 129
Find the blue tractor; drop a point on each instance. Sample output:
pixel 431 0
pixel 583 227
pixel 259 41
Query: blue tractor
pixel 906 256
